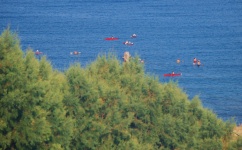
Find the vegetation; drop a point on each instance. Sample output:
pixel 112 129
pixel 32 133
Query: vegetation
pixel 106 105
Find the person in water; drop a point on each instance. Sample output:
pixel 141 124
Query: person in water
pixel 194 61
pixel 198 63
pixel 173 72
pixel 178 61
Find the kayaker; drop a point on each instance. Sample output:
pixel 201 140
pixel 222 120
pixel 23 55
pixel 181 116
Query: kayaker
pixel 133 36
pixel 142 61
pixel 75 53
pixel 38 52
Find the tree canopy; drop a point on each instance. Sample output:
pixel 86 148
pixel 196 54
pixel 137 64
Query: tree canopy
pixel 106 105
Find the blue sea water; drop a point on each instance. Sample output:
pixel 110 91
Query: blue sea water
pixel 210 30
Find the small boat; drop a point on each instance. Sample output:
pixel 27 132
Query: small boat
pixel 128 43
pixel 111 38
pixel 38 52
pixel 172 74
pixel 141 60
pixel 133 36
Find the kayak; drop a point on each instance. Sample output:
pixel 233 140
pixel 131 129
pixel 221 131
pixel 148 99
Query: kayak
pixel 128 43
pixel 172 75
pixel 38 53
pixel 111 38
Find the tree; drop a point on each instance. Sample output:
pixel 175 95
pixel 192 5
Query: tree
pixel 32 113
pixel 107 105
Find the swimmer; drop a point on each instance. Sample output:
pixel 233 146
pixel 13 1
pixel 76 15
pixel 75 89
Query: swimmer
pixel 198 63
pixel 178 61
pixel 194 61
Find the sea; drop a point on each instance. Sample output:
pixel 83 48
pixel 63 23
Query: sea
pixel 167 30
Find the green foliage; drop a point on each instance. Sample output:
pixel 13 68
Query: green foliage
pixel 106 105
pixel 123 107
pixel 10 62
pixel 236 145
pixel 32 114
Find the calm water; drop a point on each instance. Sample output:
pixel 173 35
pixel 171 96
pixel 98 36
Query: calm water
pixel 210 30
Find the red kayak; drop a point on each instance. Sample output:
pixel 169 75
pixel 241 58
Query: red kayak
pixel 172 75
pixel 111 38
pixel 38 52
